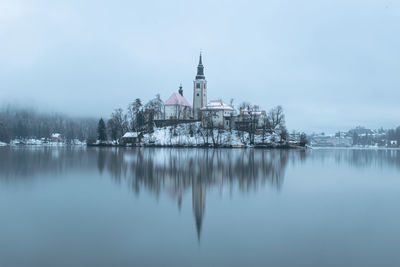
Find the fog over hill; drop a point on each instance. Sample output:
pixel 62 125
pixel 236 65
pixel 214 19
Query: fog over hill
pixel 330 64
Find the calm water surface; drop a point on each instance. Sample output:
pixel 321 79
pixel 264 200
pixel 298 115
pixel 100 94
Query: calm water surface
pixel 189 207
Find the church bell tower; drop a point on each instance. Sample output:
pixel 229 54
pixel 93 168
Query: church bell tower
pixel 199 91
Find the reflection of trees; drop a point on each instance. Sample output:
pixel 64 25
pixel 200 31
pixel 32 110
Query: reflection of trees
pixel 175 170
pixel 24 163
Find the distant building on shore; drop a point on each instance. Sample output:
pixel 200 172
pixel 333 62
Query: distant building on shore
pixel 331 141
pixel 56 137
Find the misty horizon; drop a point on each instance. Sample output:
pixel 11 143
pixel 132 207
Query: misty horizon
pixel 332 66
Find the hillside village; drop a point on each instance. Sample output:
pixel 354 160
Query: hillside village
pixel 357 137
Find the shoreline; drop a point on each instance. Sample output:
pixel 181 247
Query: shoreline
pixel 204 146
pixel 210 146
pixel 258 146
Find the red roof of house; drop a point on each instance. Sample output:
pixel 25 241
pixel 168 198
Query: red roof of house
pixel 177 99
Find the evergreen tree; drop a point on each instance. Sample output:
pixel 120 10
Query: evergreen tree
pixel 140 122
pixel 101 131
pixel 18 122
pixel 4 133
pixel 150 122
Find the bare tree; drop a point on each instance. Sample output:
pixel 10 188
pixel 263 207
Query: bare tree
pixel 157 106
pixel 117 124
pixel 283 133
pixel 276 119
pixel 207 125
pixel 210 129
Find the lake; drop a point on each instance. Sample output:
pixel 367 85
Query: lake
pixel 198 207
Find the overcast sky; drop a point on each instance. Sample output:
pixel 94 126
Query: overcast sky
pixel 330 64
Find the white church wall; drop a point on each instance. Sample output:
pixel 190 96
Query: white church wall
pixel 173 112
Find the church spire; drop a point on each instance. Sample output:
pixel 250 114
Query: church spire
pixel 180 90
pixel 199 90
pixel 200 69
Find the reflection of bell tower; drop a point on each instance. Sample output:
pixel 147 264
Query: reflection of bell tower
pixel 199 90
pixel 199 204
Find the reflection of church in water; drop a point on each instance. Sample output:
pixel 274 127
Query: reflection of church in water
pixel 176 171
pixel 199 205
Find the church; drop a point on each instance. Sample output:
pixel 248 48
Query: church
pixel 199 91
pixel 178 108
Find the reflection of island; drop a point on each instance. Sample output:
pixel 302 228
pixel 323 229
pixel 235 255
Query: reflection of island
pixel 176 171
pixel 179 171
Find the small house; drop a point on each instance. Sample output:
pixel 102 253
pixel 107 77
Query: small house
pixel 216 114
pixel 251 114
pixel 130 138
pixel 56 137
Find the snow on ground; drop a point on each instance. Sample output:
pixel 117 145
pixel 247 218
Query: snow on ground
pixel 33 142
pixel 172 135
pixel 185 134
pixel 42 142
pixel 191 134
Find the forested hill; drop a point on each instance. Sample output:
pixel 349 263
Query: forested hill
pixel 17 122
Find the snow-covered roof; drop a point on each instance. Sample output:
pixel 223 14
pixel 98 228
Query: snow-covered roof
pixel 254 111
pixel 217 105
pixel 130 134
pixel 177 99
pixel 55 135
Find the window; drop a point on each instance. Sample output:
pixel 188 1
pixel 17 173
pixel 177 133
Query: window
pixel 197 85
pixel 197 94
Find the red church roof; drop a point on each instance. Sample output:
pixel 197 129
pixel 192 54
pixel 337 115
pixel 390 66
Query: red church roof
pixel 177 99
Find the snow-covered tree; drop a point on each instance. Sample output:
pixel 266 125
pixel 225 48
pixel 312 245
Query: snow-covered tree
pixel 156 105
pixel 134 109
